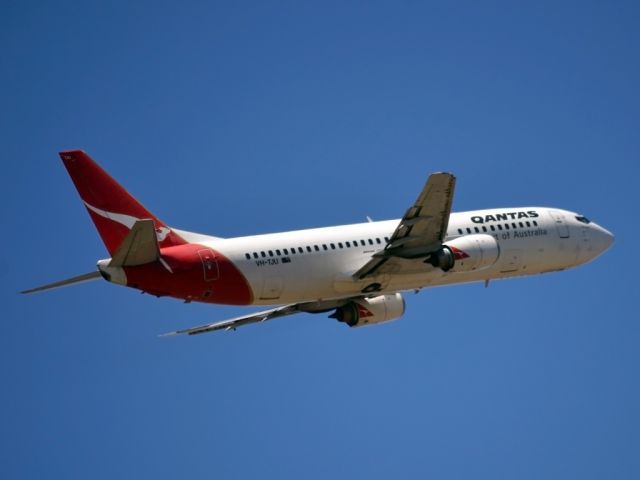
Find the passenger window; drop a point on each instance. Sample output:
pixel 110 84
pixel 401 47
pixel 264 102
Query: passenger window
pixel 333 246
pixel 300 250
pixel 316 248
pixel 278 252
pixel 255 254
pixel 340 244
pixel 528 223
pixel 247 256
pixel 468 230
pixel 484 229
pixel 308 249
pixel 378 241
pixel 271 253
pixel 499 227
pixel 370 242
pixel 263 254
pixel 347 244
pixel 514 225
pixel 386 239
pixel 506 226
pixel 535 223
pixel 476 229
pixel 521 224
pixel 459 231
pixel 493 228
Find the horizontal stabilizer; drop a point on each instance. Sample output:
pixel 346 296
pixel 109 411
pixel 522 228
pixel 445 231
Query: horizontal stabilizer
pixel 64 283
pixel 139 247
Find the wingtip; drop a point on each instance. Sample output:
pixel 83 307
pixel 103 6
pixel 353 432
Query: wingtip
pixel 449 174
pixel 30 290
pixel 168 334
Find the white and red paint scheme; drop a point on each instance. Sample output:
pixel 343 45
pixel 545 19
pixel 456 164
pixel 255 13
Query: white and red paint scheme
pixel 355 271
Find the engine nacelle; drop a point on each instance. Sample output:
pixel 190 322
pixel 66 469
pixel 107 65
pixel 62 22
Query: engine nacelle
pixel 369 311
pixel 466 254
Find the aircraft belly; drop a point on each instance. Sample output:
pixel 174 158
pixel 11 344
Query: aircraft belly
pixel 413 281
pixel 314 279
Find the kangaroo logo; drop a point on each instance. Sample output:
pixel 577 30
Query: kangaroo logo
pixel 127 220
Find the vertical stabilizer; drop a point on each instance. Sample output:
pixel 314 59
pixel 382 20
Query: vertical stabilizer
pixel 114 211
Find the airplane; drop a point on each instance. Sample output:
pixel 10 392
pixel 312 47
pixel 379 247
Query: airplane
pixel 358 272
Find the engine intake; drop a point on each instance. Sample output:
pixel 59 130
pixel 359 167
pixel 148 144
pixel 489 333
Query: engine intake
pixel 369 311
pixel 466 254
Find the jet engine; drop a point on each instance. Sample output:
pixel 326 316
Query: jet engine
pixel 369 311
pixel 466 254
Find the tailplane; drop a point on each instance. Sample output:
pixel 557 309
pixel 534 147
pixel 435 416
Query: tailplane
pixel 139 247
pixel 87 277
pixel 114 211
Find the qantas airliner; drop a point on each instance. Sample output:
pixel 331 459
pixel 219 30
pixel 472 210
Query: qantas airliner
pixel 356 272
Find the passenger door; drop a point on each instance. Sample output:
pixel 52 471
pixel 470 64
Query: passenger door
pixel 561 226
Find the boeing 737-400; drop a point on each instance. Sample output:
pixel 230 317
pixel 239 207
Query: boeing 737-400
pixel 358 272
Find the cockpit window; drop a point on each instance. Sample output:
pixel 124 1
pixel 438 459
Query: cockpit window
pixel 582 219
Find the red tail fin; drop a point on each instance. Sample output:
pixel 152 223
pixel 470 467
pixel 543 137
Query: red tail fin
pixel 112 209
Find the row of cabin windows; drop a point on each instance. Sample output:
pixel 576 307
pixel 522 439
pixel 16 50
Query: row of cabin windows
pixel 311 248
pixel 504 226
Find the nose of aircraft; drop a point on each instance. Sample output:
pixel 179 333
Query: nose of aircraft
pixel 601 238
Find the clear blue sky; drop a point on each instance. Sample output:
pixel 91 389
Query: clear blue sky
pixel 275 116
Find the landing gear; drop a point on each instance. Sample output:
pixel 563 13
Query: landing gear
pixel 373 287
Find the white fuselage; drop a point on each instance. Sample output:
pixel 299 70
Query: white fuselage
pixel 318 264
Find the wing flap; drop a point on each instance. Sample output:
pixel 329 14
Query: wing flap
pixel 421 230
pixel 425 223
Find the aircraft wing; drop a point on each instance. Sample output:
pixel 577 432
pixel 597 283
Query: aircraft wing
pixel 421 230
pixel 234 323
